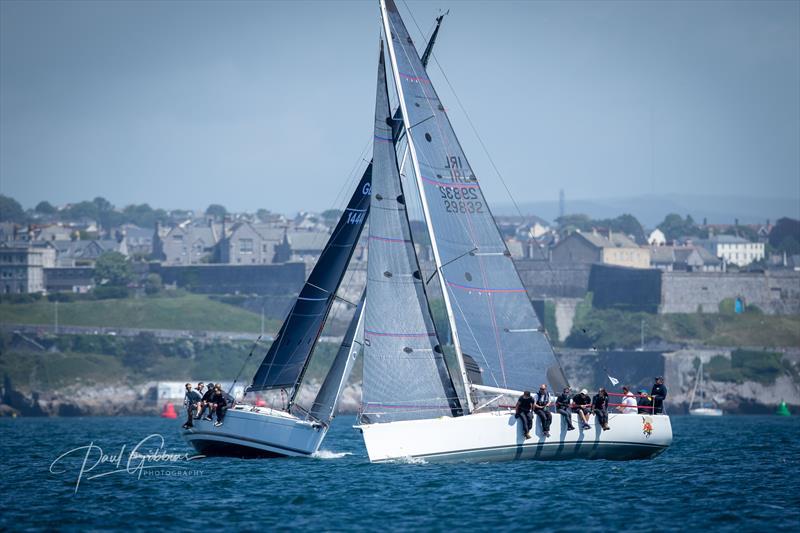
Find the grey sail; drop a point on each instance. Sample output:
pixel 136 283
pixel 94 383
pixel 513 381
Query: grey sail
pixel 324 406
pixel 494 318
pixel 405 375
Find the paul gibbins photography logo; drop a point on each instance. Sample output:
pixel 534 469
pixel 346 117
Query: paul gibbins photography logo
pixel 148 458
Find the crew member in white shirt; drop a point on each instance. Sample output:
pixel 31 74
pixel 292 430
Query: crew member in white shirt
pixel 628 403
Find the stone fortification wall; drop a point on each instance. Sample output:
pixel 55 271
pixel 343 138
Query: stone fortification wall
pixel 551 280
pixel 775 292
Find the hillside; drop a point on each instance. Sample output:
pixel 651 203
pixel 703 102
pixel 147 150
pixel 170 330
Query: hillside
pixel 180 311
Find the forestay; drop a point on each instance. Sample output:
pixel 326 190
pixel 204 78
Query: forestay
pixel 405 375
pixel 291 349
pixel 494 319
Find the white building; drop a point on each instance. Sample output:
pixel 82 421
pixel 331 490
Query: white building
pixel 22 267
pixel 734 250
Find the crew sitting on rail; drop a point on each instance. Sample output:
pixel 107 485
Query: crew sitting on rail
pixel 206 403
pixel 523 412
pixel 600 408
pixel 582 404
pixel 645 403
pixel 562 407
pixel 219 402
pixel 190 399
pixel 628 402
pixel 540 407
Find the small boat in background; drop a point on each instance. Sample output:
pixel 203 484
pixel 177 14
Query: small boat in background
pixel 703 410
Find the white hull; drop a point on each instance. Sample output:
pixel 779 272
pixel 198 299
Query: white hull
pixel 705 411
pixel 250 431
pixel 497 436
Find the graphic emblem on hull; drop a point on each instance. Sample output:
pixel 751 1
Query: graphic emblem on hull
pixel 647 426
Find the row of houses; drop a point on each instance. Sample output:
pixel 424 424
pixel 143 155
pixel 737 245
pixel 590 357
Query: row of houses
pixel 715 254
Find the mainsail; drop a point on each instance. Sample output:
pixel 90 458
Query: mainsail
pixel 405 375
pixel 493 318
pixel 290 352
pixel 291 349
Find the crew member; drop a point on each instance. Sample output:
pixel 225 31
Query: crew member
pixel 659 393
pixel 562 407
pixel 628 402
pixel 523 412
pixel 645 403
pixel 600 408
pixel 540 407
pixel 219 403
pixel 190 400
pixel 582 404
pixel 206 407
pixel 199 389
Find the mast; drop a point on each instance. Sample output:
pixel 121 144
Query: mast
pixel 429 49
pixel 425 209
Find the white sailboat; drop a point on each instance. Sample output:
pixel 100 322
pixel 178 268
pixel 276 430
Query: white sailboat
pixel 297 429
pixel 698 392
pixel 418 402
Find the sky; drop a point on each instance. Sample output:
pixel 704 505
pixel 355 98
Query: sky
pixel 269 104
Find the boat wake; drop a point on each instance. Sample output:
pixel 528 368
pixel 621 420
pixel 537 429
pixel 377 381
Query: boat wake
pixel 327 454
pixel 409 461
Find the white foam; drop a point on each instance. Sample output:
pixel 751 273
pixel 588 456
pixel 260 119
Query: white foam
pixel 327 454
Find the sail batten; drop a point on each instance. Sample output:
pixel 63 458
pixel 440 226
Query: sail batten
pixel 483 292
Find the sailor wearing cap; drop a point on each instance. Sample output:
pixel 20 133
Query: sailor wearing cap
pixel 659 393
pixel 582 404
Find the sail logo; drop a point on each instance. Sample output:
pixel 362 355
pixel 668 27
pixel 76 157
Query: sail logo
pixel 367 189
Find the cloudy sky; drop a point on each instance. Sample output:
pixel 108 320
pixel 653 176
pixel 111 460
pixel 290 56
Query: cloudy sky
pixel 269 104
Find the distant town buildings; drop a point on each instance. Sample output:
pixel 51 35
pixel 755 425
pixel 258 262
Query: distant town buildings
pixel 613 249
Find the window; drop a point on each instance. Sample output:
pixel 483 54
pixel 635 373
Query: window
pixel 246 246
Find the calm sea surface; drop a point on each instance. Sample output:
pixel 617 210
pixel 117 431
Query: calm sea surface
pixel 726 474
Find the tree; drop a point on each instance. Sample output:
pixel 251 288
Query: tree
pixel 217 211
pixel 113 269
pixel 263 214
pixel 628 225
pixel 570 223
pixel 331 216
pixel 45 208
pixel 785 236
pixel 10 210
pixel 152 284
pixel 675 227
pixel 81 210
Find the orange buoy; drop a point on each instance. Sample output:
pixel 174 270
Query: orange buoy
pixel 169 411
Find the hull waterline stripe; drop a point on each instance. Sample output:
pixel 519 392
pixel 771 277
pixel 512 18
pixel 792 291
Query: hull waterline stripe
pixel 539 445
pixel 245 439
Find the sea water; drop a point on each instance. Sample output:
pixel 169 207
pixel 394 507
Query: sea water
pixel 720 474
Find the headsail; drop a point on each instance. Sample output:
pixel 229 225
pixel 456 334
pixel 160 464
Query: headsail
pixel 494 320
pixel 291 349
pixel 324 405
pixel 405 375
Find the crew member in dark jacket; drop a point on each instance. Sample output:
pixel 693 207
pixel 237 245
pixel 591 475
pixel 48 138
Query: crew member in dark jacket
pixel 600 408
pixel 207 408
pixel 219 402
pixel 562 407
pixel 190 400
pixel 524 407
pixel 645 402
pixel 540 407
pixel 659 393
pixel 582 404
